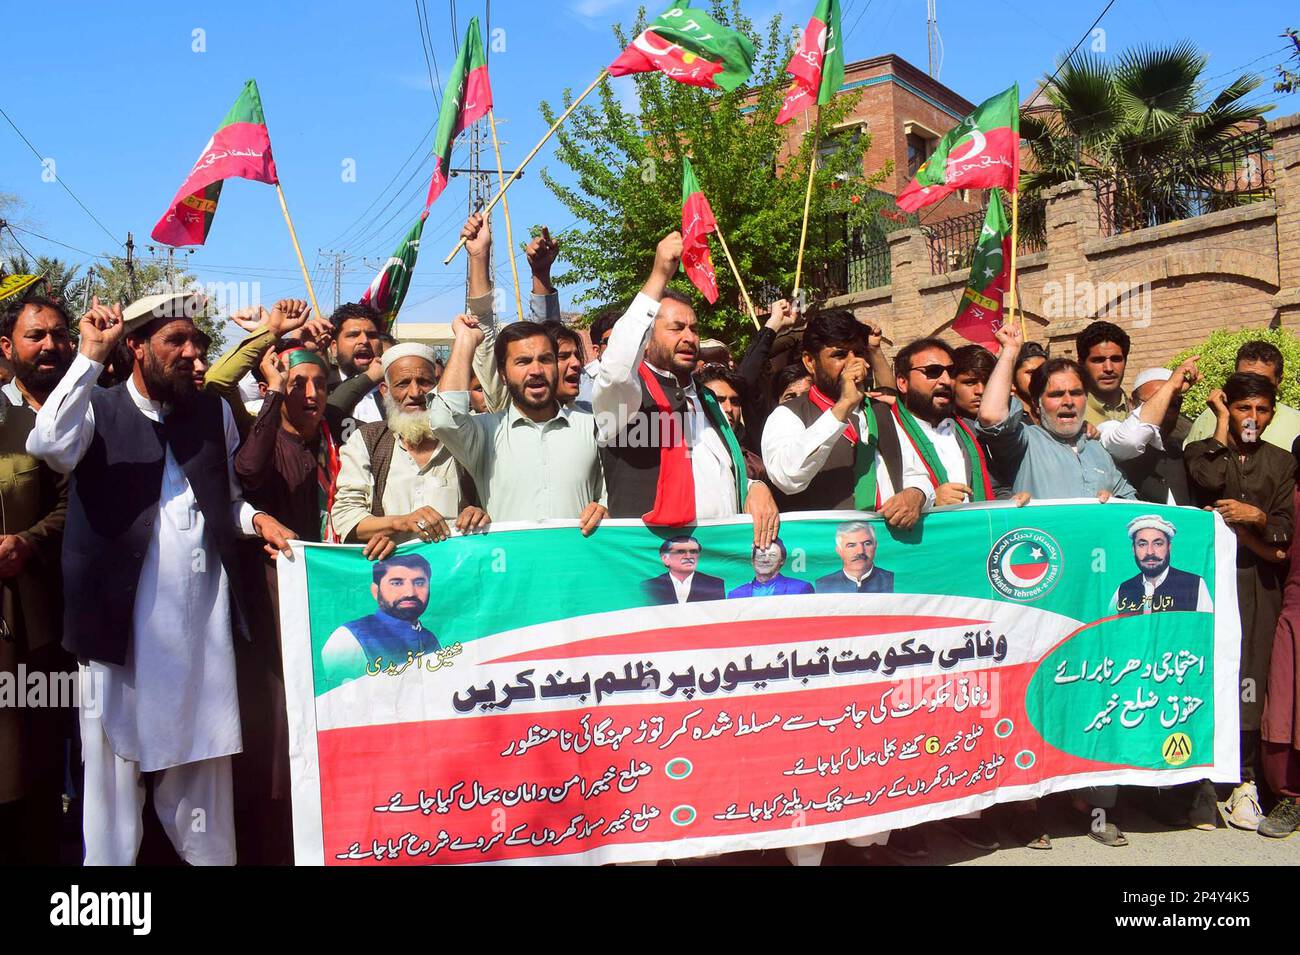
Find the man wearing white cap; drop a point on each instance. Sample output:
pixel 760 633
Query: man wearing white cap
pixel 395 477
pixel 1158 587
pixel 1148 445
pixel 150 568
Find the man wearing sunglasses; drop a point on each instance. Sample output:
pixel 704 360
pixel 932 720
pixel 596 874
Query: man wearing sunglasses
pixel 927 419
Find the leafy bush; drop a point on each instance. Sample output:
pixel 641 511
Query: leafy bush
pixel 1219 360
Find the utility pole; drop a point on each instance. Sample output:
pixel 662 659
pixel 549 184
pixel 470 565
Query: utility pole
pixel 339 258
pixel 130 266
pixel 931 31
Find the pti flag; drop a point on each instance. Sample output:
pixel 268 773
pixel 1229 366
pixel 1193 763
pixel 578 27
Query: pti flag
pixel 240 148
pixel 389 287
pixel 818 65
pixel 466 98
pixel 980 152
pixel 697 223
pixel 979 314
pixel 690 47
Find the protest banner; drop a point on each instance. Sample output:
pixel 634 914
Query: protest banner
pixel 530 695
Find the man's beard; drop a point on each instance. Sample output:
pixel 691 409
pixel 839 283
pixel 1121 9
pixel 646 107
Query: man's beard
pixel 923 406
pixel 519 395
pixel 41 380
pixel 826 384
pixel 410 614
pixel 172 389
pixel 413 427
pixel 1154 572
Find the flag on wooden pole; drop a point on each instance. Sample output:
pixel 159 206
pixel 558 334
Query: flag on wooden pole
pixel 388 289
pixel 979 313
pixel 697 223
pixel 466 97
pixel 818 65
pixel 689 46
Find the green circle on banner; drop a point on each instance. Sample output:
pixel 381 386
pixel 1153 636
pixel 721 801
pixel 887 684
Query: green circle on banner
pixel 1003 728
pixel 678 768
pixel 1025 759
pixel 682 815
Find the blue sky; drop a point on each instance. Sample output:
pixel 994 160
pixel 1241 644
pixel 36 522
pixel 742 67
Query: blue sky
pixel 117 96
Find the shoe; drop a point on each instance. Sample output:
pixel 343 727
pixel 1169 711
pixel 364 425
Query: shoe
pixel 1242 808
pixel 1283 820
pixel 1203 814
pixel 976 833
pixel 908 843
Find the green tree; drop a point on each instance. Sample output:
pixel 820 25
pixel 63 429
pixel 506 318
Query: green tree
pixel 1218 360
pixel 1135 120
pixel 62 282
pixel 627 193
pixel 113 283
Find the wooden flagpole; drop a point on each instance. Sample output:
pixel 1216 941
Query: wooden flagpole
pixel 1015 242
pixel 529 158
pixel 311 292
pixel 736 272
pixel 807 201
pixel 505 205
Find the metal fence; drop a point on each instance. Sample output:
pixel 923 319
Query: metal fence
pixel 952 241
pixel 1234 175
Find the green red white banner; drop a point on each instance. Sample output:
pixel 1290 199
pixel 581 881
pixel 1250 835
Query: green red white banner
pixel 554 703
pixel 240 148
pixel 466 98
pixel 980 152
pixel 689 46
pixel 817 65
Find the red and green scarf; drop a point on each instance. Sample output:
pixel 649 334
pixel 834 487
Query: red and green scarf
pixel 982 489
pixel 674 504
pixel 866 490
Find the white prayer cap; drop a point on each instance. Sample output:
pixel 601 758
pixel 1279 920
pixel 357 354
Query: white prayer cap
pixel 1150 375
pixel 406 350
pixel 1152 522
pixel 165 305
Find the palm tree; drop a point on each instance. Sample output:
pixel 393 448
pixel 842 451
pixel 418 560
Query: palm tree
pixel 1135 126
pixel 59 278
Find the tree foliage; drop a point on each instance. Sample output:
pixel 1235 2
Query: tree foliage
pixel 1218 360
pixel 628 172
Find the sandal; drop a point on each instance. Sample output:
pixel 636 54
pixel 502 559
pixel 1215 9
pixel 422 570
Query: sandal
pixel 1109 835
pixel 1029 832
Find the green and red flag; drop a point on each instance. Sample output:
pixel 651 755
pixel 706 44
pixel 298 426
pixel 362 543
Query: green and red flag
pixel 466 97
pixel 980 152
pixel 240 148
pixel 689 46
pixel 979 313
pixel 697 223
pixel 818 65
pixel 389 287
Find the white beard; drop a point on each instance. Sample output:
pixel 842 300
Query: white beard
pixel 412 427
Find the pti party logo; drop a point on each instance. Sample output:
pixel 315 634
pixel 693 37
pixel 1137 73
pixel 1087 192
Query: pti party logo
pixel 1024 564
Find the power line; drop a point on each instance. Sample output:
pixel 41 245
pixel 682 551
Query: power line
pixel 57 178
pixel 1086 33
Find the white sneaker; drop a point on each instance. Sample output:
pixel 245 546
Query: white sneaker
pixel 1242 808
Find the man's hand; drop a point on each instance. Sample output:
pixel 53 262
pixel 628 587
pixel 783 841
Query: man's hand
pixel 250 319
pixel 1090 431
pixel 875 336
pixel 1020 499
pixel 668 255
pixel 1239 512
pixel 425 523
pixel 317 332
pixel 591 517
pixel 903 510
pixel 100 330
pixel 1009 336
pixel 783 316
pixel 14 554
pixel 1187 374
pixel 275 534
pixel 378 547
pixel 951 493
pixel 541 252
pixel 477 233
pixel 289 314
pixel 473 520
pixel 853 381
pixel 272 369
pixel 1218 403
pixel 1103 495
pixel 761 506
pixel 467 327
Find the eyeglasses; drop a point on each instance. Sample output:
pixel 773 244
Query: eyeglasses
pixel 935 371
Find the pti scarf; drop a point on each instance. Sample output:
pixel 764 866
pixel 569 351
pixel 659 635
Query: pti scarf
pixel 982 489
pixel 866 492
pixel 674 504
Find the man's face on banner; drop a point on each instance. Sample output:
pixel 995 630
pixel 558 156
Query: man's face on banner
pixel 767 561
pixel 857 551
pixel 1151 551
pixel 682 558
pixel 402 593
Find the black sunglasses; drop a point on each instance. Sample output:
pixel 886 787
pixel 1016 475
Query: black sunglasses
pixel 935 371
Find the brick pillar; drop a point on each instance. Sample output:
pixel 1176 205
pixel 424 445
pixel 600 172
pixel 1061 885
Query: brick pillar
pixel 909 263
pixel 1286 195
pixel 1072 221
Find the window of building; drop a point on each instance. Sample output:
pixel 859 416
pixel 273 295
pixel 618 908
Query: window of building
pixel 919 149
